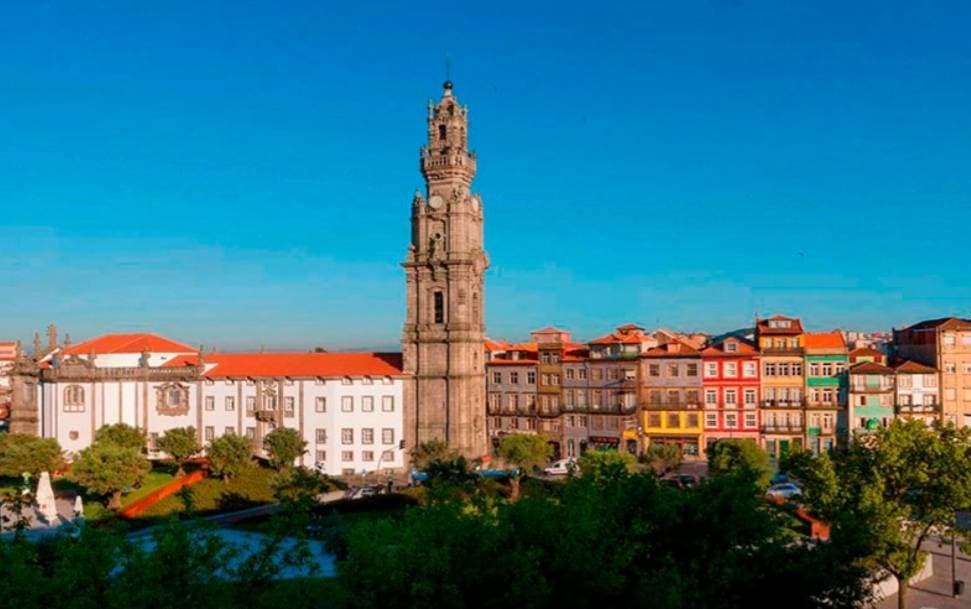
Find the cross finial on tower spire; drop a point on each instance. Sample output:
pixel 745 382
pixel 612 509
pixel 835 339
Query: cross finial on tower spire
pixel 448 73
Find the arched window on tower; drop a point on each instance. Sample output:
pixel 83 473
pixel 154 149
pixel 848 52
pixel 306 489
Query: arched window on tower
pixel 442 132
pixel 439 299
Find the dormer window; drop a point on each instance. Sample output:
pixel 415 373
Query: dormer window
pixel 731 347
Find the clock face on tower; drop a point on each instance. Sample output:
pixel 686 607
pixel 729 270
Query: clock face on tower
pixel 436 202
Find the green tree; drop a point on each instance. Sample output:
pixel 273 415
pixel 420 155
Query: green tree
pixel 21 453
pixel 525 451
pixel 107 469
pixel 905 483
pixel 121 434
pixel 602 465
pixel 181 443
pixel 284 446
pixel 662 458
pixel 433 450
pixel 229 455
pixel 734 454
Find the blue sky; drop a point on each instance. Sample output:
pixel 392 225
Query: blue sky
pixel 240 173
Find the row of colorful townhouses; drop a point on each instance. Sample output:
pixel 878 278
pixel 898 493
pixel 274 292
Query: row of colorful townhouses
pixel 777 384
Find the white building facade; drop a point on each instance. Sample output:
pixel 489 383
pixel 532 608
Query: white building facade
pixel 348 407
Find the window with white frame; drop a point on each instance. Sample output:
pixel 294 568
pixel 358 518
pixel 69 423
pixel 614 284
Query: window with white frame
pixel 230 403
pixel 74 398
pixel 750 420
pixel 387 455
pixel 367 455
pixel 711 369
pixel 731 420
pixel 731 397
pixel 711 397
pixel 320 435
pixel 250 403
pixel 387 435
pixel 731 369
pixel 347 403
pixel 347 435
pixel 320 404
pixel 711 420
pixel 367 403
pixel 210 402
pixel 250 433
pixel 749 369
pixel 209 433
pixel 387 403
pixel 229 431
pixel 497 377
pixel 367 435
pixel 289 403
pixel 347 455
pixel 321 456
pixel 749 397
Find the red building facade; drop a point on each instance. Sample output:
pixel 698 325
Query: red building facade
pixel 730 390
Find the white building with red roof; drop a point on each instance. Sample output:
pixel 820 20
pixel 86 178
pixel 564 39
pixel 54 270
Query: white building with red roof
pixel 347 406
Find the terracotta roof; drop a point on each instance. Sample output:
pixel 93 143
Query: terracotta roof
pixel 512 362
pixel 548 329
pixel 295 364
pixel 523 347
pixel 674 348
pixel 870 368
pixel 794 328
pixel 615 339
pixel 912 367
pixel 944 323
pixel 864 351
pixel 718 349
pixel 823 340
pixel 630 328
pixel 496 345
pixel 127 343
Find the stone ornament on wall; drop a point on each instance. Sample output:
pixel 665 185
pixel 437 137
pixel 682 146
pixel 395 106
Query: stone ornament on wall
pixel 172 399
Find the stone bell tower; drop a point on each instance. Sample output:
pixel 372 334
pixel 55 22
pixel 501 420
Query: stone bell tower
pixel 444 333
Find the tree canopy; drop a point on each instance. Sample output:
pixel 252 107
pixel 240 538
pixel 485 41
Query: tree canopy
pixel 181 443
pixel 733 454
pixel 433 450
pixel 107 469
pixel 525 451
pixel 903 484
pixel 121 434
pixel 21 453
pixel 284 445
pixel 602 465
pixel 662 457
pixel 229 455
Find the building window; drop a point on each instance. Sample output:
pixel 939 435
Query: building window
pixel 320 436
pixel 731 369
pixel 439 307
pixel 731 397
pixel 531 378
pixel 387 403
pixel 74 398
pixel 749 397
pixel 347 436
pixel 711 369
pixel 288 404
pixel 387 455
pixel 749 369
pixel 269 402
pixel 654 369
pixel 731 347
pixel 514 378
pixel 250 403
pixel 570 374
pixel 367 455
pixel 229 431
pixel 210 402
pixel 321 456
pixel 387 435
pixel 230 403
pixel 711 419
pixel 497 378
pixel 347 403
pixel 367 436
pixel 583 374
pixel 750 422
pixel 674 420
pixel 209 433
pixel 692 370
pixel 367 403
pixel 347 455
pixel 250 433
pixel 692 419
pixel 711 396
pixel 769 369
pixel 731 420
pixel 672 370
pixel 320 404
pixel 654 420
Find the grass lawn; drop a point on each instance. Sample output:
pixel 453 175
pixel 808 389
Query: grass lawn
pixel 253 487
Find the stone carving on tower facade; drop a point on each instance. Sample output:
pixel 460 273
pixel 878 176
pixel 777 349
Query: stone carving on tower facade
pixel 443 337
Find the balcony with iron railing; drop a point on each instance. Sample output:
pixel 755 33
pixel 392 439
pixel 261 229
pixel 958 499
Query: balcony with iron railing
pixel 917 408
pixel 673 405
pixel 782 428
pixel 783 403
pixel 782 350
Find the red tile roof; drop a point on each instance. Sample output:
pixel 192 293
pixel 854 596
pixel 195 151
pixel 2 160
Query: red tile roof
pixel 795 326
pixel 870 368
pixel 866 351
pixel 944 323
pixel 912 367
pixel 823 340
pixel 128 343
pixel 512 362
pixel 718 349
pixel 618 339
pixel 673 348
pixel 238 365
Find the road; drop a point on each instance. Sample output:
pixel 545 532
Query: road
pixel 935 591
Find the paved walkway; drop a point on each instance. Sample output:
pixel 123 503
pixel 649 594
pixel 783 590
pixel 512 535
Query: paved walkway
pixel 935 591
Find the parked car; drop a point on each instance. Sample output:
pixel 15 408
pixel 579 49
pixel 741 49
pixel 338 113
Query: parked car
pixel 671 483
pixel 687 480
pixel 561 467
pixel 786 490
